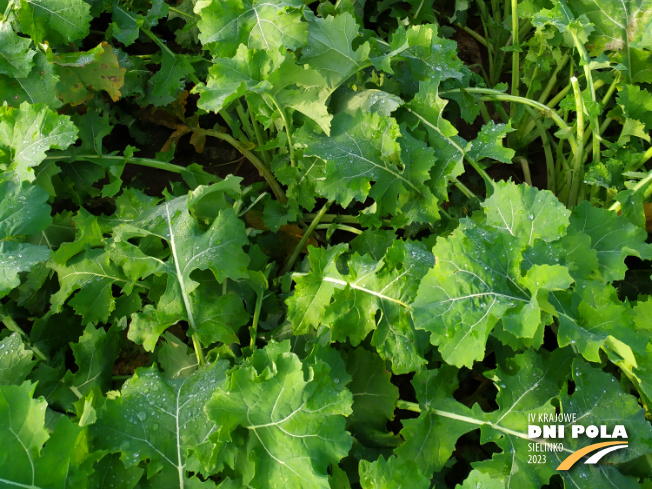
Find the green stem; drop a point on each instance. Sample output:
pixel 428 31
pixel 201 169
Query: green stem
pixel 259 135
pixel 120 378
pixel 341 227
pixel 253 159
pixel 552 103
pixel 547 151
pixel 253 330
pixel 486 117
pixel 490 94
pixel 465 190
pixel 417 11
pixel 304 239
pixel 526 169
pixel 414 407
pixel 616 206
pixel 150 163
pixel 527 129
pixel 244 120
pixel 473 34
pixel 610 90
pixel 288 130
pixel 334 218
pixel 180 12
pixel 576 173
pixel 516 60
pixel 199 353
pixel 553 80
pixel 644 159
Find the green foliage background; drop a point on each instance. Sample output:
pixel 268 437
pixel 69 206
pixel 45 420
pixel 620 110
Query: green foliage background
pixel 441 231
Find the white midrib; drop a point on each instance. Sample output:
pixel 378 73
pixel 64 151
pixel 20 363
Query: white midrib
pixel 180 466
pixel 362 289
pixel 18 484
pixel 479 422
pixel 173 248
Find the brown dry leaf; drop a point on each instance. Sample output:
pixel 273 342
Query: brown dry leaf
pixel 160 117
pixel 198 140
pixel 282 243
pixel 647 208
pixel 179 131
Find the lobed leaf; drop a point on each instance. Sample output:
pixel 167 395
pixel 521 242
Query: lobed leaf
pixel 289 416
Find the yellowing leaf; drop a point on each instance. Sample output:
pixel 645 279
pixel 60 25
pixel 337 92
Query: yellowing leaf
pixel 83 73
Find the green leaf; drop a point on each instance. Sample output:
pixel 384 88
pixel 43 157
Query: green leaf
pixel 55 21
pixel 28 132
pixel 477 281
pixel 360 150
pixel 374 398
pixel 38 87
pixel 349 304
pixel 488 143
pixel 161 419
pixel 90 277
pixel 634 103
pixel 95 354
pixel 372 100
pixel 272 74
pixel 427 56
pixel 289 416
pixel 618 24
pixel 257 24
pixel 168 81
pixel 391 473
pixel 428 107
pixel 599 399
pixel 22 421
pixel 126 24
pixel 612 237
pixel 526 213
pixel 484 480
pixel 219 249
pixel 593 319
pixel 329 48
pixel 430 439
pixel 231 78
pixel 15 54
pixel 526 385
pixel 23 212
pixel 66 460
pixel 175 358
pixel 364 159
pixel 111 473
pixel 15 361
